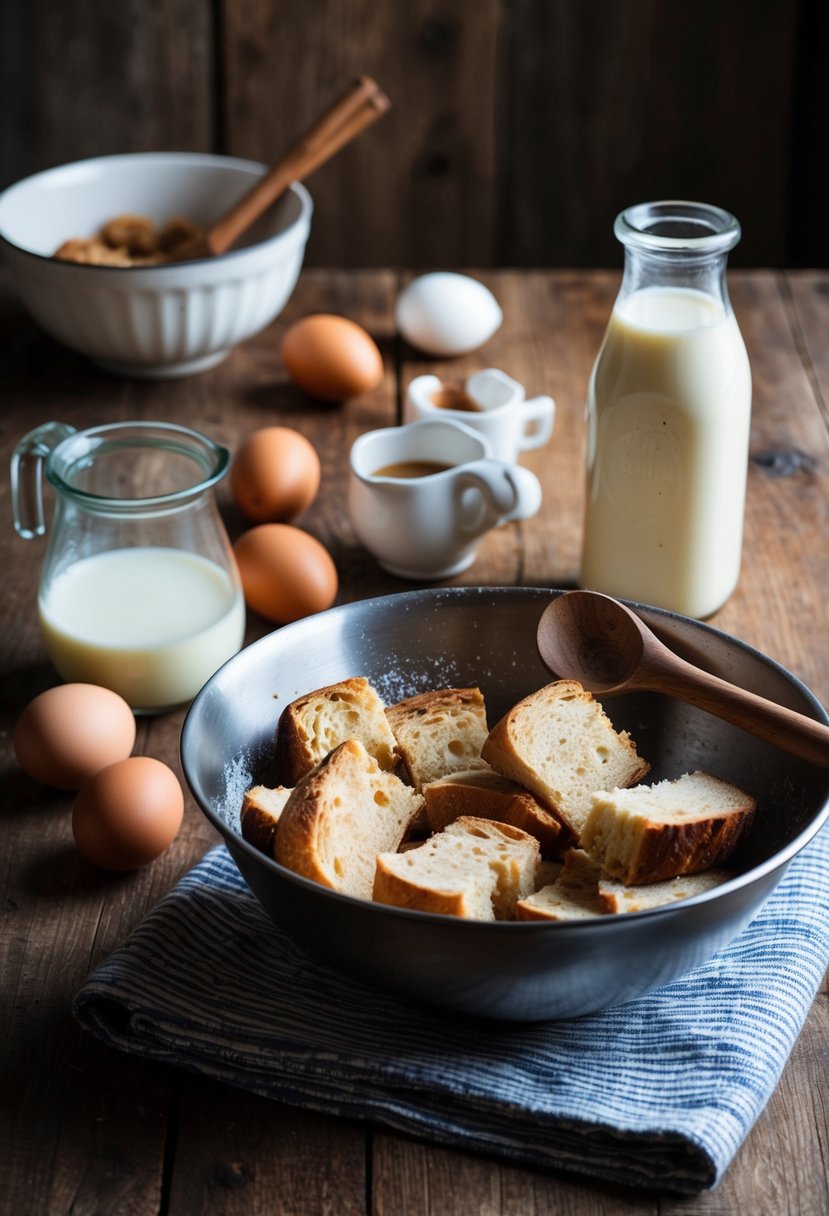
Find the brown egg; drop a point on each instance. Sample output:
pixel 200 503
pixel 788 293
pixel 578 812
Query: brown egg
pixel 275 474
pixel 331 357
pixel 126 814
pixel 69 732
pixel 286 574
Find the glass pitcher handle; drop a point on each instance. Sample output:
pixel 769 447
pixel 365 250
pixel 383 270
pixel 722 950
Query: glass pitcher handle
pixel 27 476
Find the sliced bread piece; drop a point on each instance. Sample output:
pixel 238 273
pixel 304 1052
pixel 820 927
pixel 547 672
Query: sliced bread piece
pixel 314 724
pixel 656 832
pixel 485 794
pixel 262 807
pixel 616 897
pixel 573 895
pixel 439 732
pixel 548 872
pixel 474 868
pixel 340 816
pixel 560 744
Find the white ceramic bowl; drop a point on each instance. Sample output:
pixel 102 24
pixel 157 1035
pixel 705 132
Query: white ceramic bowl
pixel 167 320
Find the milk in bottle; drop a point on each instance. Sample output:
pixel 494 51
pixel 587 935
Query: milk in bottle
pixel 668 409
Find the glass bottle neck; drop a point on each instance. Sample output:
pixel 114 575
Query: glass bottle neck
pixel 645 270
pixel 677 245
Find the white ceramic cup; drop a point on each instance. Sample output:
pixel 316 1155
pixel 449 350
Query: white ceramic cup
pixel 493 404
pixel 429 527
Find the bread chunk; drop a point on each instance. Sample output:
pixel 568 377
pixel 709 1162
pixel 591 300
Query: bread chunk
pixel 485 794
pixel 573 895
pixel 314 724
pixel 439 732
pixel 580 891
pixel 616 897
pixel 547 874
pixel 474 868
pixel 560 744
pixel 262 807
pixel 653 833
pixel 340 816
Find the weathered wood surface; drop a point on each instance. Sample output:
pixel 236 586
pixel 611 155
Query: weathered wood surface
pixel 517 132
pixel 92 1131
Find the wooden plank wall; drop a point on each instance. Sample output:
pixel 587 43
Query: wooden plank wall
pixel 519 127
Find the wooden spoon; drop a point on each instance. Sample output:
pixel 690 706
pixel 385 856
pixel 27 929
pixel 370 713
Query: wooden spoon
pixel 594 639
pixel 360 105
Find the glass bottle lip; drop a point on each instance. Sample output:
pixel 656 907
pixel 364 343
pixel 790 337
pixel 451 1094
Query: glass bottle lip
pixel 677 226
pixel 209 458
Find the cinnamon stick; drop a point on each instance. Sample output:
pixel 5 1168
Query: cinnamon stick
pixel 358 107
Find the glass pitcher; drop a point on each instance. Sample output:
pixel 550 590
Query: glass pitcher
pixel 668 414
pixel 139 589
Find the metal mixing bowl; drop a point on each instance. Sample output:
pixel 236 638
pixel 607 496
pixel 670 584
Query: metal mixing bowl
pixel 462 636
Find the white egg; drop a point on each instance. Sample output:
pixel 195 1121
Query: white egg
pixel 447 314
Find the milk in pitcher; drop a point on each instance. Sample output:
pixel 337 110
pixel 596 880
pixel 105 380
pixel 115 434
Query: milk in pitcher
pixel 153 624
pixel 139 590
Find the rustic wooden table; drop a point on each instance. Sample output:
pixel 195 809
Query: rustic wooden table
pixel 92 1131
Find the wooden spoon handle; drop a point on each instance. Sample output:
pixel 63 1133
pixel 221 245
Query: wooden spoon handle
pixel 360 105
pixel 784 728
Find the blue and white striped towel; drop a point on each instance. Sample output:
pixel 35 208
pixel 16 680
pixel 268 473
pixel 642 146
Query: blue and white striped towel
pixel 657 1093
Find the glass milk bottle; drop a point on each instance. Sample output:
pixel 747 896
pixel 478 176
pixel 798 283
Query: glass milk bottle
pixel 668 412
pixel 139 589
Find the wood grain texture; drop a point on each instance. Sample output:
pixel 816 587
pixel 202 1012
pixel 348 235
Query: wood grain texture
pixel 239 1155
pixel 419 180
pixel 808 294
pixel 784 571
pixel 411 1178
pixel 518 129
pixel 617 98
pixel 88 78
pixel 92 1131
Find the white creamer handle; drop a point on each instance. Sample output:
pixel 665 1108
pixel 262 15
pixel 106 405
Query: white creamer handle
pixel 506 492
pixel 539 415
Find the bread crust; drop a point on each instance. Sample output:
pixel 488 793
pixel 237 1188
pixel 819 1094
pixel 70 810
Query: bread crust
pixel 340 815
pixel 485 794
pixel 500 863
pixel 572 895
pixel 314 724
pixel 580 891
pixel 262 808
pixel 394 889
pixel 641 846
pixel 519 746
pixel 615 897
pixel 438 732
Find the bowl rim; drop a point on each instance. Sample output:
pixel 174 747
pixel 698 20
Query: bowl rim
pixel 613 922
pixel 192 159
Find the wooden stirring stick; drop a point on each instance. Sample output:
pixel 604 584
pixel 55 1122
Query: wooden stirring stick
pixel 592 638
pixel 360 105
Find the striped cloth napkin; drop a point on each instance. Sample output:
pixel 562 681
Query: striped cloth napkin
pixel 658 1093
